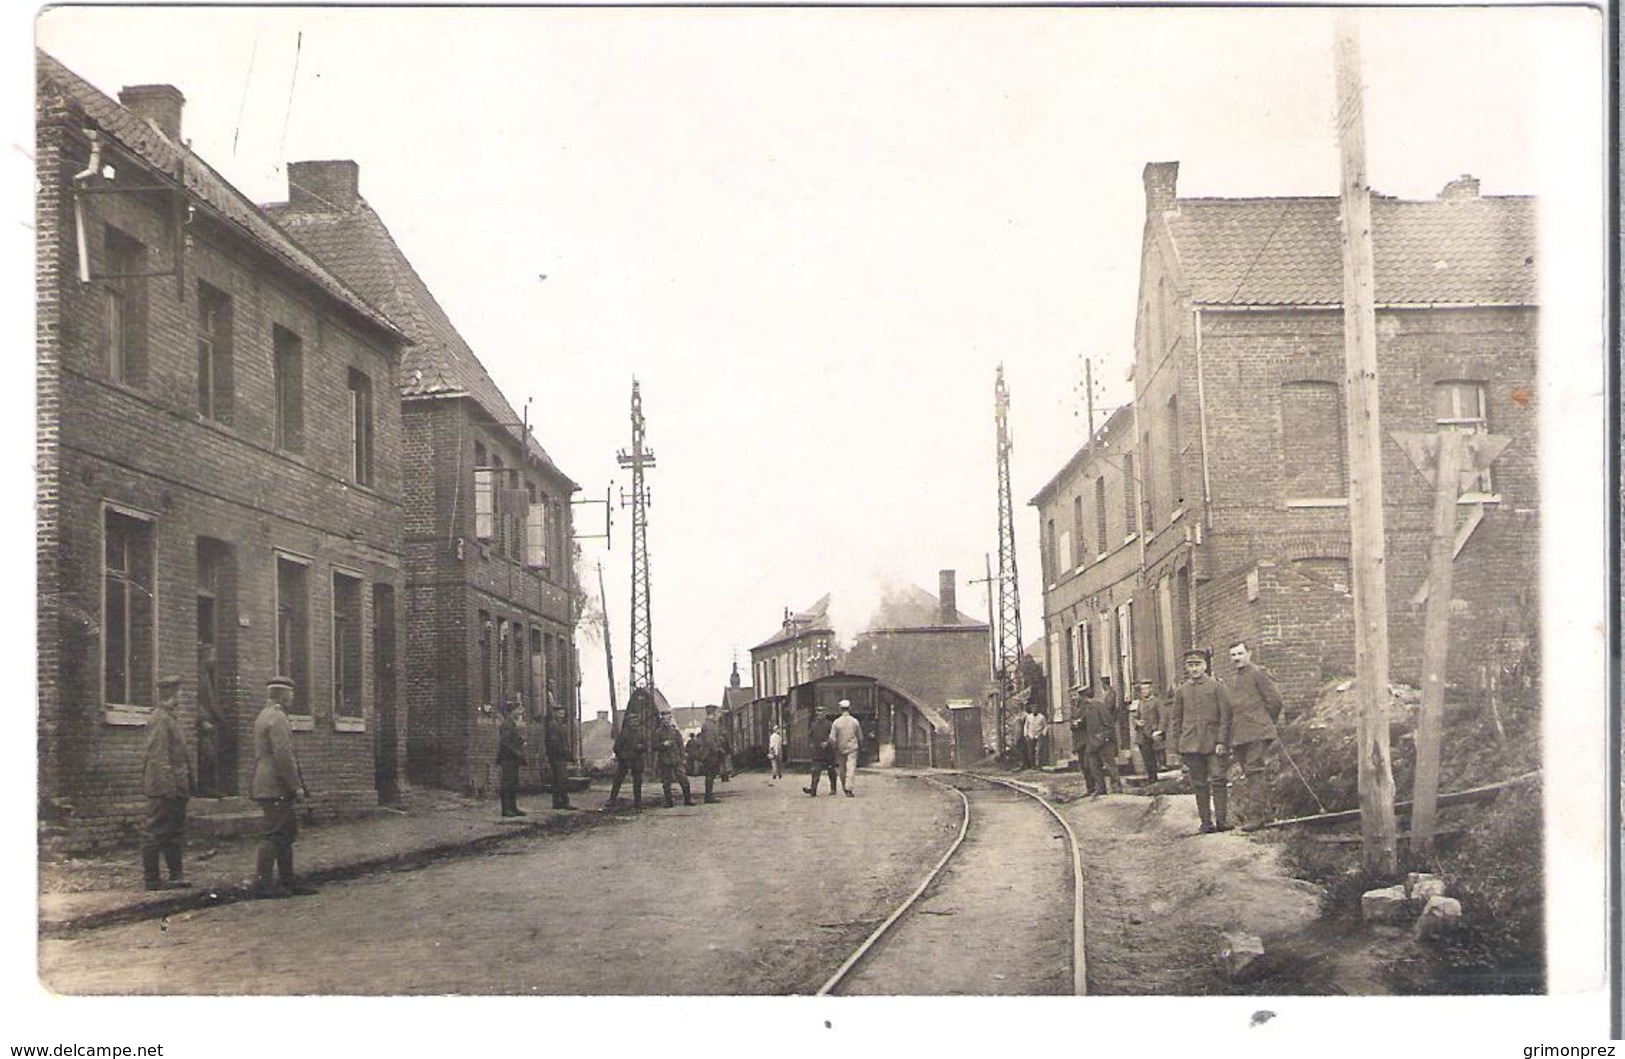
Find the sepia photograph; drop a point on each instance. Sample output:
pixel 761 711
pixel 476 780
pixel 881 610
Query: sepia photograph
pixel 797 502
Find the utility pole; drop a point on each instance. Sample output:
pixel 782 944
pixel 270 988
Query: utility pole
pixel 1009 631
pixel 642 662
pixel 1379 841
pixel 993 669
pixel 1089 393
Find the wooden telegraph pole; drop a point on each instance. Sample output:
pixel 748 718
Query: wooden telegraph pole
pixel 1379 840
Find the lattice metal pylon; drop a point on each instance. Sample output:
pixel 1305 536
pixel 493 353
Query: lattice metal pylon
pixel 643 659
pixel 1010 644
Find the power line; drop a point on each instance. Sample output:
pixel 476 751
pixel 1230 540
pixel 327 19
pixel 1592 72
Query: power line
pixel 293 81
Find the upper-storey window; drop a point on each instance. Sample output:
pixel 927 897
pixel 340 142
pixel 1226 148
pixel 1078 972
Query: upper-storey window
pixel 1314 464
pixel 485 500
pixel 214 384
pixel 1462 405
pixel 124 293
pixel 1102 544
pixel 1079 551
pixel 360 428
pixel 1130 520
pixel 288 368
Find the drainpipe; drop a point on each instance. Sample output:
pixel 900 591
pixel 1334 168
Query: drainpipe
pixel 1201 410
pixel 92 168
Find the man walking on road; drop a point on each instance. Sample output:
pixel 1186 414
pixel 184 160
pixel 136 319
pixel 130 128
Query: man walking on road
pixel 1034 726
pixel 1257 703
pixel 668 747
pixel 510 755
pixel 846 735
pixel 775 751
pixel 556 741
pixel 1100 745
pixel 277 786
pixel 630 747
pixel 823 754
pixel 166 777
pixel 714 745
pixel 1199 720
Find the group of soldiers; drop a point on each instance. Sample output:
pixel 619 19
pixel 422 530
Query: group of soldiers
pixel 1210 724
pixel 675 758
pixel 276 787
pixel 556 743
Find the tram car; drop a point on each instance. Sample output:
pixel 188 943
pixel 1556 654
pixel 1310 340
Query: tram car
pixel 896 729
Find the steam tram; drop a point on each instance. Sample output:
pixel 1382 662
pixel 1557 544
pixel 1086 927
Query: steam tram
pixel 896 729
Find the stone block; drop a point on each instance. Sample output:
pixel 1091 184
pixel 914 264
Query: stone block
pixel 1385 905
pixel 1236 952
pixel 1420 886
pixel 1438 913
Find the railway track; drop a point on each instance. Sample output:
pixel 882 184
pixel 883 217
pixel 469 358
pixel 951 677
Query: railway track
pixel 982 921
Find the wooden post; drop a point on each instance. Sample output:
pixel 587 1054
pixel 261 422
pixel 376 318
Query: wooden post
pixel 1367 553
pixel 609 660
pixel 1436 640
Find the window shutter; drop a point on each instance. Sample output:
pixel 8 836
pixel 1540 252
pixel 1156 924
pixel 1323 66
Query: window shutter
pixel 484 503
pixel 536 534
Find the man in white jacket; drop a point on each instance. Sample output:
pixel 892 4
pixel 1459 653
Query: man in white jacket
pixel 846 735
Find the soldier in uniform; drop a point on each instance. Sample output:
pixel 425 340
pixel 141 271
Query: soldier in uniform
pixel 556 740
pixel 631 748
pixel 668 747
pixel 714 745
pixel 1148 723
pixel 1198 725
pixel 277 787
pixel 510 755
pixel 822 751
pixel 1099 750
pixel 1257 703
pixel 166 777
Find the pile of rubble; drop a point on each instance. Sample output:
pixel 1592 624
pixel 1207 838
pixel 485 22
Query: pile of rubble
pixel 1420 900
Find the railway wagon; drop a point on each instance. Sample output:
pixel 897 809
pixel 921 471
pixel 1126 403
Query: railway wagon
pixel 896 729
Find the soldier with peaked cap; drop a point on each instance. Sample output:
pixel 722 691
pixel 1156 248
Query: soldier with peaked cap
pixel 276 787
pixel 668 747
pixel 560 749
pixel 631 748
pixel 166 778
pixel 1199 719
pixel 1257 703
pixel 510 756
pixel 823 753
pixel 714 745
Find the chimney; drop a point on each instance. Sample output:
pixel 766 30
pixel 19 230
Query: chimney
pixel 1161 181
pixel 945 592
pixel 324 187
pixel 159 104
pixel 1459 189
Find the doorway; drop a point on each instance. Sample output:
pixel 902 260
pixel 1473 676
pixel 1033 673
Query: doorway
pixel 386 741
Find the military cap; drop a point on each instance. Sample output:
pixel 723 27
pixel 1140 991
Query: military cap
pixel 279 681
pixel 1195 652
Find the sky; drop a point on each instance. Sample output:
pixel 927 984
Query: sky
pixel 812 235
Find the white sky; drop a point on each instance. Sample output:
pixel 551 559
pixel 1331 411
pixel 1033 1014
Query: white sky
pixel 812 234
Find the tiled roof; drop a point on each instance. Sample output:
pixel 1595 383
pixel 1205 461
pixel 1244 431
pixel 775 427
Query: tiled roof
pixel 732 696
pixel 151 147
pixel 1287 251
pixel 355 243
pixel 813 619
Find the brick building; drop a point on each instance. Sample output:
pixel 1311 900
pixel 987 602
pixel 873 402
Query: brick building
pixel 488 542
pixel 1240 468
pixel 218 493
pixel 804 648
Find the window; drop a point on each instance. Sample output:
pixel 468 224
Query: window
pixel 127 611
pixel 1312 440
pixel 293 629
pixel 1130 523
pixel 1072 657
pixel 360 428
pixel 1125 646
pixel 1076 557
pixel 1068 551
pixel 538 528
pixel 1461 405
pixel 289 369
pixel 347 650
pixel 485 658
pixel 1100 517
pixel 1176 456
pixel 1086 655
pixel 485 500
pixel 213 353
pixel 124 293
pixel 1049 548
pixel 504 649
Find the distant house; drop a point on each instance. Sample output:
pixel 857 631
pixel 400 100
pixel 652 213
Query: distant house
pixel 1237 442
pixel 218 496
pixel 488 541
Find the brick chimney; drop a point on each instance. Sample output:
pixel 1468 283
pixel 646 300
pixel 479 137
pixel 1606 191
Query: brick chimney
pixel 159 104
pixel 324 187
pixel 1463 187
pixel 945 592
pixel 1161 182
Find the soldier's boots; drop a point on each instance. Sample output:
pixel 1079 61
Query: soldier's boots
pixel 172 860
pixel 666 791
pixel 1204 807
pixel 688 799
pixel 1221 807
pixel 151 880
pixel 290 882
